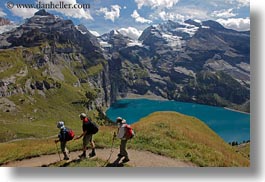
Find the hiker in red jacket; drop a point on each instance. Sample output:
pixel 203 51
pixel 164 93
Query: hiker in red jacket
pixel 89 128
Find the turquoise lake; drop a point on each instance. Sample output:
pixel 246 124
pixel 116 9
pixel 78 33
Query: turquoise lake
pixel 229 125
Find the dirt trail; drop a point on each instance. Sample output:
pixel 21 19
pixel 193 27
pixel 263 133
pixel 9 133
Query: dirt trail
pixel 137 159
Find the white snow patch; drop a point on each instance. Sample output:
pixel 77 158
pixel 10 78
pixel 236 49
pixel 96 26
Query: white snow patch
pixel 95 33
pixel 189 29
pixel 104 44
pixel 5 28
pixel 206 27
pixel 80 30
pixel 244 66
pixel 172 41
pixel 135 43
pixel 116 32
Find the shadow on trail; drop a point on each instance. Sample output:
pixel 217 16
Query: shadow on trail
pixel 116 163
pixel 72 161
pixel 64 163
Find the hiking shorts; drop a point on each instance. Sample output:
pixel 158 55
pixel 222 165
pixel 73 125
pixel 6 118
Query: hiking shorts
pixel 87 139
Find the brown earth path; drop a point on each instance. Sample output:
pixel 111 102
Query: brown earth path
pixel 137 159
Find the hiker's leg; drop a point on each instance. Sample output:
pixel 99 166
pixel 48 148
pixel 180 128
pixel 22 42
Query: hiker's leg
pixel 92 144
pixel 64 150
pixel 85 142
pixel 63 144
pixel 123 151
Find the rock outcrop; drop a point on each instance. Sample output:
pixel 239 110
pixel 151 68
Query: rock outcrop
pixel 191 61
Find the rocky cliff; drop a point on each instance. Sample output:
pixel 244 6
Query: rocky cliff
pixel 189 61
pixel 46 52
pixel 200 62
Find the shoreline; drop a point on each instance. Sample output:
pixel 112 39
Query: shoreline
pixel 136 96
pixel 159 98
pixel 230 109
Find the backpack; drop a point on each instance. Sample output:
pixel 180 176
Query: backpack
pixel 90 127
pixel 94 128
pixel 129 132
pixel 69 134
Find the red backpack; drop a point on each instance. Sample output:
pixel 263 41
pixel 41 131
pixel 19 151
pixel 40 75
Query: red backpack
pixel 129 132
pixel 69 134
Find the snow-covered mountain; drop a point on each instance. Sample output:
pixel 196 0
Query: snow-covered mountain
pixel 169 35
pixel 6 25
pixel 188 61
pixel 191 61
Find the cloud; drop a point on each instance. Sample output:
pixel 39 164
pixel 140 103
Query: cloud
pixel 111 14
pixel 138 18
pixel 2 13
pixel 241 24
pixel 156 3
pixel 70 12
pixel 171 16
pixel 243 3
pixel 131 32
pixel 224 13
pixel 180 14
pixel 23 12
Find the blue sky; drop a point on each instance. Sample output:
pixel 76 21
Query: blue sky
pixel 133 16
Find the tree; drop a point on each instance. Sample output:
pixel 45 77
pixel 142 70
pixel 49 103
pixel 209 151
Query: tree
pixel 91 96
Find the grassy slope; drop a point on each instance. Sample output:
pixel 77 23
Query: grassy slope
pixel 244 149
pixel 166 133
pixel 37 115
pixel 183 137
pixel 18 150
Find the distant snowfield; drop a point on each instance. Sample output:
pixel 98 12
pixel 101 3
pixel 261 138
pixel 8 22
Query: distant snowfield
pixel 5 28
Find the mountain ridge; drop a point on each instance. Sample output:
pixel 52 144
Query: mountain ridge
pixel 177 61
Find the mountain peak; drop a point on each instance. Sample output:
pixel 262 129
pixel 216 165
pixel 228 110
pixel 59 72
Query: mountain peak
pixel 212 24
pixel 4 21
pixel 115 32
pixel 192 22
pixel 42 12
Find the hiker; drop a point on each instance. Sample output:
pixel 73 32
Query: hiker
pixel 62 139
pixel 89 128
pixel 121 134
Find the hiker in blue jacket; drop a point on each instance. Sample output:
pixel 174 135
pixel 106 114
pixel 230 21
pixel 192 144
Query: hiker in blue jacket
pixel 62 139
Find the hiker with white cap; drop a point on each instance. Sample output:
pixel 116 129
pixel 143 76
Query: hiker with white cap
pixel 89 129
pixel 64 135
pixel 121 134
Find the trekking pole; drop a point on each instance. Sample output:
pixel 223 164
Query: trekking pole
pixel 58 151
pixel 111 151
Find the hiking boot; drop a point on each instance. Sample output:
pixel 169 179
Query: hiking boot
pixel 66 158
pixel 120 155
pixel 125 160
pixel 92 154
pixel 82 156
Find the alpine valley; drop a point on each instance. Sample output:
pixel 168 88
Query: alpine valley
pixel 49 66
